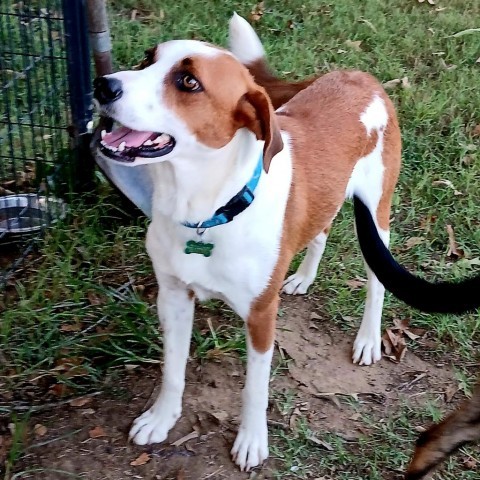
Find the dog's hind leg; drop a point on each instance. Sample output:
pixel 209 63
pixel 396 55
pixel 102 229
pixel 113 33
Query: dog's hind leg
pixel 373 180
pixel 175 310
pixel 367 345
pixel 300 281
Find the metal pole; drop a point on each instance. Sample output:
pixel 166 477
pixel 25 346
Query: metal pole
pixel 80 91
pixel 100 36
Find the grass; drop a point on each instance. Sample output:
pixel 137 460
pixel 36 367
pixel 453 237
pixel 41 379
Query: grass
pixel 87 303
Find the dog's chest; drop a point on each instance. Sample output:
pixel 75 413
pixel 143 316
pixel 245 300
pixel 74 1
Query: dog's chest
pixel 245 250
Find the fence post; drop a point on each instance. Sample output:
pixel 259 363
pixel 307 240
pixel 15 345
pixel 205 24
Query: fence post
pixel 100 36
pixel 80 89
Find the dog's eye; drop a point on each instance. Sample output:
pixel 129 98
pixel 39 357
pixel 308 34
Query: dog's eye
pixel 188 83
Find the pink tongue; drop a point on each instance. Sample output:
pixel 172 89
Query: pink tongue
pixel 132 138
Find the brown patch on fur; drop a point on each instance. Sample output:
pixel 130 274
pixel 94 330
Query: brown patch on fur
pixel 215 114
pixel 439 441
pixel 261 321
pixel 327 140
pixel 191 294
pixel 279 91
pixel 149 59
pixel 255 112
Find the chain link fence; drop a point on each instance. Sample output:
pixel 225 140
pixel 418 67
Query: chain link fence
pixel 45 109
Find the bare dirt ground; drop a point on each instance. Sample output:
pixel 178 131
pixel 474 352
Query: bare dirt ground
pixel 320 373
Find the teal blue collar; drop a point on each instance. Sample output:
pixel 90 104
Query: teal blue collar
pixel 235 205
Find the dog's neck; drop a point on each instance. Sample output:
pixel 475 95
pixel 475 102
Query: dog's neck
pixel 191 189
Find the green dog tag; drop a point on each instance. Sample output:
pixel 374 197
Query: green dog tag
pixel 201 248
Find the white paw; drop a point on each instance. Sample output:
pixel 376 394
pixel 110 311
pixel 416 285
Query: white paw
pixel 151 427
pixel 297 284
pixel 366 349
pixel 251 447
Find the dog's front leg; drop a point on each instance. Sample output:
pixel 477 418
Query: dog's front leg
pixel 251 445
pixel 175 306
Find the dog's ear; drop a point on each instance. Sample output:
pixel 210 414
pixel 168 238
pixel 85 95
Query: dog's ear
pixel 255 112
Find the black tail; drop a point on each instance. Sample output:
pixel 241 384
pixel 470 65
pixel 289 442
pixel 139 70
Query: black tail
pixel 441 297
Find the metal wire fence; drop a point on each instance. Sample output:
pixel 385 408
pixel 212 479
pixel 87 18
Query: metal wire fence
pixel 44 108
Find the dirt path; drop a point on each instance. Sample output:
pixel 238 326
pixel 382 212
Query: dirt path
pixel 320 374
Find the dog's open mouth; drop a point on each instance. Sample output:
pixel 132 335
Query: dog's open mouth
pixel 124 144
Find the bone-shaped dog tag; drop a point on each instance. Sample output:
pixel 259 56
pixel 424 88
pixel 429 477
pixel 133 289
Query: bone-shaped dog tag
pixel 201 248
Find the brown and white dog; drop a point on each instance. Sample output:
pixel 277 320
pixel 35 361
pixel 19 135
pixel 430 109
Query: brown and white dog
pixel 197 118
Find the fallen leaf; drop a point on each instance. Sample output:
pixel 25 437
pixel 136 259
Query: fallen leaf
pixel 97 432
pixel 368 22
pixel 450 392
pixel 185 438
pixel 221 416
pixel 476 130
pixel 356 283
pixel 354 44
pixel 470 463
pixel 392 83
pixel 321 443
pixel 60 390
pixel 292 421
pixel 420 429
pixel 401 325
pixel 140 460
pixel 411 335
pixel 394 345
pixel 405 83
pixel 39 430
pixel 453 250
pixel 80 402
pixel 257 12
pixel 94 298
pixel 71 327
pixel 87 411
pixel 130 367
pixel 412 241
pixel 447 66
pixel 467 160
pixel 447 183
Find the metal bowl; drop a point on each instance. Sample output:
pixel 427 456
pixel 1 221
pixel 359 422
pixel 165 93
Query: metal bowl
pixel 27 214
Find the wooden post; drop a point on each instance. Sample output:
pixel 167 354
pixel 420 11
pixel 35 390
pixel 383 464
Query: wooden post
pixel 100 36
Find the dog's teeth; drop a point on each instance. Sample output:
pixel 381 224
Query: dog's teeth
pixel 122 146
pixel 148 143
pixel 103 133
pixel 162 138
pixel 103 143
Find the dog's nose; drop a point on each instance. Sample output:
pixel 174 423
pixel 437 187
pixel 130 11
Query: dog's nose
pixel 107 90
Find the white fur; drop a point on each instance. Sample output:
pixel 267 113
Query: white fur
pixel 375 116
pixel 300 281
pixel 243 41
pixel 175 311
pixel 251 445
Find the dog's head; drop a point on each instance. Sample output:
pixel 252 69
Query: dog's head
pixel 187 99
